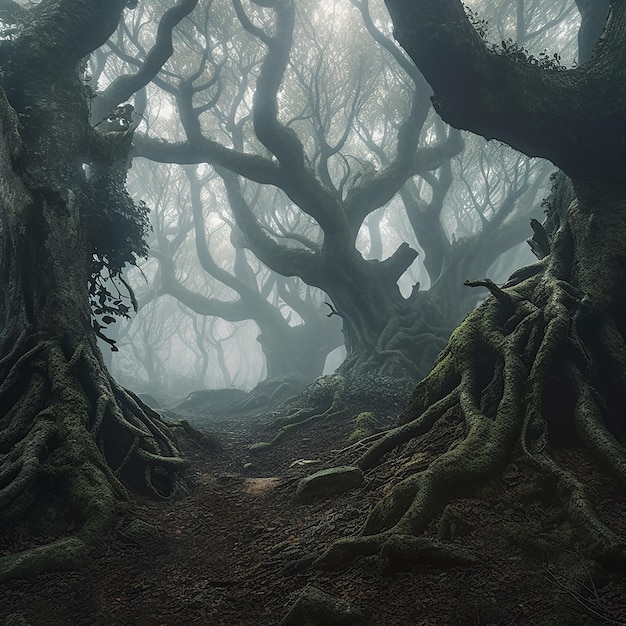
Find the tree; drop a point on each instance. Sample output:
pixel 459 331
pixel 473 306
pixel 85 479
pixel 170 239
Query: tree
pixel 490 195
pixel 274 112
pixel 289 349
pixel 541 363
pixel 67 224
pixel 364 293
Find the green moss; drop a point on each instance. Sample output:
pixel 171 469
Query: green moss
pixel 364 426
pixel 91 495
pixel 67 553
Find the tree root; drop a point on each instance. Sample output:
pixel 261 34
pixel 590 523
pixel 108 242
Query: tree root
pixel 335 397
pixel 493 375
pixel 70 429
pixel 332 394
pixel 397 553
pixel 405 348
pixel 67 553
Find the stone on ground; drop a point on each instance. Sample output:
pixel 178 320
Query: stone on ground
pixel 317 608
pixel 329 482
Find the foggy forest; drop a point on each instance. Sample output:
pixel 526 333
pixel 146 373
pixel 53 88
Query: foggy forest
pixel 312 313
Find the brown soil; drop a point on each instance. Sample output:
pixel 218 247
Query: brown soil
pixel 235 551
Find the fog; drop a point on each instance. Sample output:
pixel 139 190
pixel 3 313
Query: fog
pixel 253 273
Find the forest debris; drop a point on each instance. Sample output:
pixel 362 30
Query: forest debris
pixel 260 486
pixel 329 482
pixel 15 619
pixel 317 608
pixel 283 545
pixel 304 462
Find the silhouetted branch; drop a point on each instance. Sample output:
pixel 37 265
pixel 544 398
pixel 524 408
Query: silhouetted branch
pixel 123 87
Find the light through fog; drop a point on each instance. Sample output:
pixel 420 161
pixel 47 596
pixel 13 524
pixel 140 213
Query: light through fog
pixel 345 96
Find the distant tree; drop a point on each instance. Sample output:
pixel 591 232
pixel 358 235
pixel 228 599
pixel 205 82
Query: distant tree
pixel 290 349
pixel 270 111
pixel 150 337
pixel 541 363
pixel 364 293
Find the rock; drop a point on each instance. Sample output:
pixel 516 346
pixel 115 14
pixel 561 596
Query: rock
pixel 329 482
pixel 61 555
pixel 317 608
pixel 141 533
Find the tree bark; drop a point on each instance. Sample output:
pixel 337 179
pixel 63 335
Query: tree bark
pixel 520 103
pixel 541 363
pixel 66 426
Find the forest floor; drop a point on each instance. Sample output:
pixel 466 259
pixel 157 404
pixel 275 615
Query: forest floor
pixel 235 551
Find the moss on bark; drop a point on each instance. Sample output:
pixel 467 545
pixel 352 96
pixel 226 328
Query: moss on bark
pixel 524 371
pixel 66 427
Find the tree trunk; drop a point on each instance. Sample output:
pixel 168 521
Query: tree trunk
pixel 386 333
pixel 538 365
pixel 298 350
pixel 66 427
pixel 542 362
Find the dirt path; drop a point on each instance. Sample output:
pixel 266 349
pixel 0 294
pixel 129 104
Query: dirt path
pixel 234 552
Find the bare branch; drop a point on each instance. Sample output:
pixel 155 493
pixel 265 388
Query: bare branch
pixel 123 87
pixel 519 102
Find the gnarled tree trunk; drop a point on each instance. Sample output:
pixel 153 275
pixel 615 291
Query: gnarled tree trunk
pixel 542 361
pixel 66 427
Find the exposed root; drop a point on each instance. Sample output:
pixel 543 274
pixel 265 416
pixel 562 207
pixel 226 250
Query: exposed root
pixel 397 553
pixel 362 444
pixel 335 397
pixel 66 553
pixel 584 595
pixel 536 331
pixel 405 348
pixel 332 395
pixel 265 398
pixel 399 435
pixel 66 427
